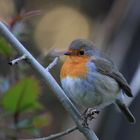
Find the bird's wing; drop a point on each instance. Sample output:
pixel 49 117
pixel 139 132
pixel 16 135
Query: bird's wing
pixel 106 67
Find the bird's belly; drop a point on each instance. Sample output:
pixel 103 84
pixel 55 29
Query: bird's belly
pixel 95 91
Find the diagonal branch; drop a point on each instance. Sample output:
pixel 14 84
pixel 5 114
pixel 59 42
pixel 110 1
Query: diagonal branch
pixel 72 110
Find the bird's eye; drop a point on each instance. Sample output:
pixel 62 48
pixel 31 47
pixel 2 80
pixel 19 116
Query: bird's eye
pixel 81 52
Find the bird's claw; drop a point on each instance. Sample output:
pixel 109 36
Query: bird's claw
pixel 88 115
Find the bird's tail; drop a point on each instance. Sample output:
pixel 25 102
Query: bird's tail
pixel 125 110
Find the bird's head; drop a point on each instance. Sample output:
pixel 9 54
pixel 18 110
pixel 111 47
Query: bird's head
pixel 80 47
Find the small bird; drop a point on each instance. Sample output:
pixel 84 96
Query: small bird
pixel 91 80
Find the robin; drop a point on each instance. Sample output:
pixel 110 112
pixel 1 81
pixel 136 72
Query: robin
pixel 91 80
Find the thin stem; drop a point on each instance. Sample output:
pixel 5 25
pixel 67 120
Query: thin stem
pixel 57 135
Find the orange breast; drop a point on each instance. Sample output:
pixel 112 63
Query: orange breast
pixel 74 66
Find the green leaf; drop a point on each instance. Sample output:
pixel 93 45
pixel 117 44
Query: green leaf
pixel 4 47
pixel 22 97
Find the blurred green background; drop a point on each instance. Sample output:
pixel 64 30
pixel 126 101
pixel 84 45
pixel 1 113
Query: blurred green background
pixel 28 108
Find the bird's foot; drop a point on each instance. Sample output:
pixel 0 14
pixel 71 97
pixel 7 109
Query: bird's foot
pixel 88 115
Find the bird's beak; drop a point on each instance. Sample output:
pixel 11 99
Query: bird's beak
pixel 68 52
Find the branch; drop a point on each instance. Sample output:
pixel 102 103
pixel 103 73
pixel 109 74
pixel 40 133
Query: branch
pixel 71 109
pixel 15 61
pixel 51 65
pixel 57 135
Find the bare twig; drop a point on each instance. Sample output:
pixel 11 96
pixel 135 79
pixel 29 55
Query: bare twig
pixel 51 65
pixel 15 61
pixel 57 135
pixel 72 110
